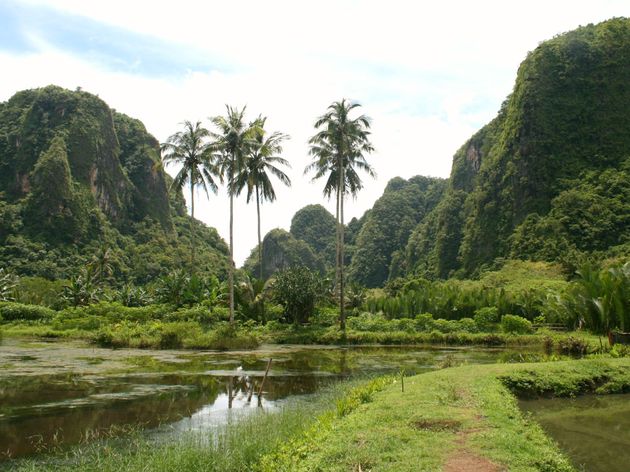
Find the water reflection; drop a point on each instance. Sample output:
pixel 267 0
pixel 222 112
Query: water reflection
pixel 192 391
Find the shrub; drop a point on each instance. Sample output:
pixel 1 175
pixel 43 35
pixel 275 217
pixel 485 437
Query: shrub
pixel 424 322
pixel 515 325
pixel 17 311
pixel 326 316
pixel 445 326
pixel 132 296
pixel 39 291
pixel 468 325
pixel 370 322
pixel 297 289
pixel 199 313
pixel 572 346
pixel 486 318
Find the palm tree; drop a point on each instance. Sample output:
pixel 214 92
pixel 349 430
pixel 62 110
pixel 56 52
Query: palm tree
pixel 190 149
pixel 338 149
pixel 262 161
pixel 231 143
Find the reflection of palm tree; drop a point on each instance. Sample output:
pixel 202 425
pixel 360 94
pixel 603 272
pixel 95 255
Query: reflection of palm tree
pixel 260 163
pixel 189 149
pixel 338 149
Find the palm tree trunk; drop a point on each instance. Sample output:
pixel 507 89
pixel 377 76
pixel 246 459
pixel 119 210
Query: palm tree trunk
pixel 231 268
pixel 337 243
pixel 192 225
pixel 260 262
pixel 342 308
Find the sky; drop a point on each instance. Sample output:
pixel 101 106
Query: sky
pixel 428 74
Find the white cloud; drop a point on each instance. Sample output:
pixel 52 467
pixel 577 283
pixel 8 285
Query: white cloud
pixel 428 74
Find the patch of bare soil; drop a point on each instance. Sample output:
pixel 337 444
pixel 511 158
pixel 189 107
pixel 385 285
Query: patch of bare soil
pixel 437 425
pixel 465 461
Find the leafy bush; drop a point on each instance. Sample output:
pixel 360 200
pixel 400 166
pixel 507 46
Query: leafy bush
pixel 179 288
pixel 515 325
pixel 486 318
pixel 518 288
pixel 11 311
pixel 132 296
pixel 424 322
pixel 39 291
pixel 297 289
pixel 572 346
pixel 370 322
pixel 469 325
pixel 80 290
pixel 199 313
pixel 445 326
pixel 325 316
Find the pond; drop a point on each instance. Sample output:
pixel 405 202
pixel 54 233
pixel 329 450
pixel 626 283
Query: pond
pixel 594 431
pixel 55 394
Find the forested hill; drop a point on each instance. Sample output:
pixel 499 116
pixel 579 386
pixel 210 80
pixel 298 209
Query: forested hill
pixel 374 243
pixel 549 177
pixel 77 177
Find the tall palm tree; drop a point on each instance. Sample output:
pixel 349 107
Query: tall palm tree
pixel 232 142
pixel 190 149
pixel 263 160
pixel 338 149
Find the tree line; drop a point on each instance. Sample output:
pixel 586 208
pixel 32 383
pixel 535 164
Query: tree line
pixel 244 155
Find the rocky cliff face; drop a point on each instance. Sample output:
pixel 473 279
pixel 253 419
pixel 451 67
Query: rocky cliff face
pixel 568 115
pixel 125 180
pixel 77 177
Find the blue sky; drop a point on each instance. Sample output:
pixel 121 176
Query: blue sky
pixel 429 74
pixel 23 27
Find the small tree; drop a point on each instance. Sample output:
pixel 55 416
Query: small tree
pixel 297 289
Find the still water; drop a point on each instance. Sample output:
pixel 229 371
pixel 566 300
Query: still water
pixel 57 394
pixel 594 431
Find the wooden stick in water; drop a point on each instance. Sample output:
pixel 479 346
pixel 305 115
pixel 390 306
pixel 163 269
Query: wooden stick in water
pixel 262 384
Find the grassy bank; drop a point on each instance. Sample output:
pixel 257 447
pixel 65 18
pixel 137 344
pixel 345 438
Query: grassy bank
pixel 231 448
pixel 457 417
pixel 464 417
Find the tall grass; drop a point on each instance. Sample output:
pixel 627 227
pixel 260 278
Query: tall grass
pixel 453 300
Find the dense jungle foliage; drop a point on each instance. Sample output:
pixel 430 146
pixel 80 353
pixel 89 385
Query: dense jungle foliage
pixel 547 179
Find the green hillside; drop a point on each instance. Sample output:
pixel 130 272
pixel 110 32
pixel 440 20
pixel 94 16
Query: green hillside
pixel 549 175
pixel 76 176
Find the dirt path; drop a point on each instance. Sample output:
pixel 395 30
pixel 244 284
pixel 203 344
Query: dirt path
pixel 463 460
